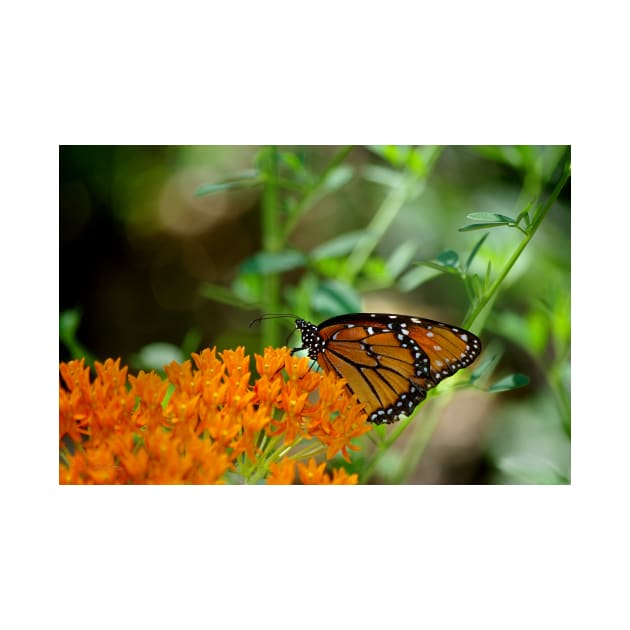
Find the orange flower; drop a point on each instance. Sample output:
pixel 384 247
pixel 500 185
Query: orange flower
pixel 183 407
pixel 74 415
pixel 75 401
pixel 281 473
pixel 292 402
pixel 341 477
pixel 76 377
pixel 181 375
pixel 314 473
pixel 150 391
pixel 207 419
pixel 270 363
pixel 349 421
pixel 207 363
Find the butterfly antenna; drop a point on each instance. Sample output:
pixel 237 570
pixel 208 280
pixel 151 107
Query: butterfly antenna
pixel 272 316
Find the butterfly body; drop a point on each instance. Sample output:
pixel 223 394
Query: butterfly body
pixel 389 361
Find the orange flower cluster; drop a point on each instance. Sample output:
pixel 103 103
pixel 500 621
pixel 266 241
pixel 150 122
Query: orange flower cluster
pixel 204 424
pixel 310 474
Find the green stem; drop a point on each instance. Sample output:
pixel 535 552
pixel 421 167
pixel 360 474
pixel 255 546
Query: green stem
pixel 563 400
pixel 490 293
pixel 420 438
pixel 369 470
pixel 413 184
pixel 310 451
pixel 383 218
pixel 272 242
pixel 313 195
pixel 271 455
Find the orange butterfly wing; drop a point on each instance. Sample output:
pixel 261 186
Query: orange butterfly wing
pixel 389 361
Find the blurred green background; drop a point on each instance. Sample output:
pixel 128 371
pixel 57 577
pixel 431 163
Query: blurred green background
pixel 166 250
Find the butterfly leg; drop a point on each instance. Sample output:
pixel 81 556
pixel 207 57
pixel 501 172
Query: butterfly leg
pixel 298 349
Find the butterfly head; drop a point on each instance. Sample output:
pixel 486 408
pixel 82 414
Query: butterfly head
pixel 311 339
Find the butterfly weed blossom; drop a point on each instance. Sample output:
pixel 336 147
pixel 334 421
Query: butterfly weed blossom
pixel 206 423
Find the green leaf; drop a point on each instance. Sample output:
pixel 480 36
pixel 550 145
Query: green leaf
pixel 247 179
pixel 524 214
pixel 337 178
pixel 491 217
pixel 333 297
pixel 393 153
pixel 375 269
pixel 329 267
pixel 416 162
pixel 449 258
pixel 481 226
pixel 294 163
pixel 299 175
pixel 69 324
pixel 248 287
pixel 299 297
pixel 415 277
pixel 474 251
pixel 338 246
pixel 513 381
pixel 68 327
pixel 272 262
pixel 529 331
pixel 444 262
pixel 222 295
pixel 486 280
pixel 486 367
pixel 401 257
pixel 475 285
pixel 383 175
pixel 436 266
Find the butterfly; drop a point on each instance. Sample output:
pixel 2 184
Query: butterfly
pixel 388 361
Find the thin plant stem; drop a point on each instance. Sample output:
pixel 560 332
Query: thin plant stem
pixel 562 397
pixel 420 438
pixel 310 451
pixel 272 242
pixel 313 195
pixel 541 214
pixel 270 455
pixel 369 470
pixel 413 185
pixel 383 218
